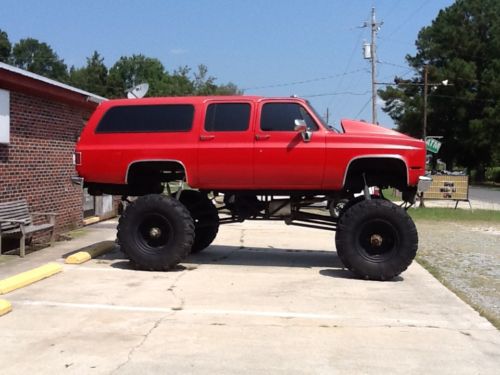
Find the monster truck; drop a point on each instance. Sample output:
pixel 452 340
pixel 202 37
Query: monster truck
pixel 261 159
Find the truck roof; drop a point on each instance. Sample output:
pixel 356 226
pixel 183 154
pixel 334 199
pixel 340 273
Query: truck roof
pixel 192 100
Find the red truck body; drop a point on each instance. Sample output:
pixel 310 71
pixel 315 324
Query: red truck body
pixel 251 159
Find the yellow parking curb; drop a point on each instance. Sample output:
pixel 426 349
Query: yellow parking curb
pixel 29 277
pixel 90 252
pixel 5 307
pixel 77 258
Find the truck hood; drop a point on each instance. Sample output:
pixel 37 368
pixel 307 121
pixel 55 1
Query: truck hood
pixel 364 128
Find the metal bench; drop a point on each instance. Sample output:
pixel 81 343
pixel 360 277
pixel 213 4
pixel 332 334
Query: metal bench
pixel 17 222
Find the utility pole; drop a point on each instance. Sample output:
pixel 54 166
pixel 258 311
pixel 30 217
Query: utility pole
pixel 374 28
pixel 371 54
pixel 424 120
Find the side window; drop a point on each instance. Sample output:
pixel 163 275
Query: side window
pixel 227 117
pixel 282 116
pixel 147 118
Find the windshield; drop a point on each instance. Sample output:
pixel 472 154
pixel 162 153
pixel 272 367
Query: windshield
pixel 321 119
pixel 318 116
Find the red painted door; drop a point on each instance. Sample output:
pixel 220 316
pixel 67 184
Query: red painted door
pixel 282 159
pixel 225 146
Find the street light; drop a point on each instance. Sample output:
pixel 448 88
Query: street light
pixel 426 84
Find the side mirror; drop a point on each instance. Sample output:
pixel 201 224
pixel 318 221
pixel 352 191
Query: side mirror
pixel 301 127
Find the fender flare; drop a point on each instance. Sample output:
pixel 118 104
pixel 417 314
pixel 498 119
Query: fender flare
pixel 376 156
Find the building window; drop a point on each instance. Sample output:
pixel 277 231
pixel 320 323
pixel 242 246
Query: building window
pixel 4 116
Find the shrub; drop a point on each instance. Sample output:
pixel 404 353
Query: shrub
pixel 493 174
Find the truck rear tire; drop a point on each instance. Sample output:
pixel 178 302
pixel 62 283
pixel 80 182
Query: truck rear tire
pixel 376 239
pixel 205 217
pixel 156 232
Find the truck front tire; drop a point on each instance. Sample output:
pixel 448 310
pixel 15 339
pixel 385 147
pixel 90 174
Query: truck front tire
pixel 156 232
pixel 376 239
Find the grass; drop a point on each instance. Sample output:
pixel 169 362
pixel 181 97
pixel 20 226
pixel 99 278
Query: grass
pixel 449 214
pixel 390 194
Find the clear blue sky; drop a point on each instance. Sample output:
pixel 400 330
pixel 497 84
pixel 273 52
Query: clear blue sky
pixel 253 43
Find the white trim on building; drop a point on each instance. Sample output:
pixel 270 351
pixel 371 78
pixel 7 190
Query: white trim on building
pixel 90 97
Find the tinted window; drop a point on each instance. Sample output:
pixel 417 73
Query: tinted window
pixel 147 118
pixel 282 116
pixel 227 117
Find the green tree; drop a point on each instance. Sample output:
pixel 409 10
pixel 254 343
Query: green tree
pixel 228 89
pixel 462 45
pixel 5 47
pixel 37 57
pixel 130 71
pixel 204 84
pixel 178 83
pixel 93 77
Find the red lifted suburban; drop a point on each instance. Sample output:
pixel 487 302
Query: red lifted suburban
pixel 260 158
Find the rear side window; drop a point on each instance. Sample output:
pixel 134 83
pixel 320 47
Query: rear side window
pixel 224 117
pixel 147 118
pixel 282 116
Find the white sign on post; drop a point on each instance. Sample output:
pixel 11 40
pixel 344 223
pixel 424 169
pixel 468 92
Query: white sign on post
pixel 4 116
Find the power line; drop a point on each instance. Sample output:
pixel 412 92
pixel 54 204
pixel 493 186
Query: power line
pixel 405 22
pixel 393 8
pixel 406 70
pixel 302 82
pixel 364 107
pixel 393 40
pixel 392 64
pixel 336 93
pixel 356 46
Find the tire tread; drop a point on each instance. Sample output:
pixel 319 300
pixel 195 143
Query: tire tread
pixel 181 250
pixel 350 219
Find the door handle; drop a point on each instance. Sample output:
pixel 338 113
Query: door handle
pixel 261 137
pixel 205 137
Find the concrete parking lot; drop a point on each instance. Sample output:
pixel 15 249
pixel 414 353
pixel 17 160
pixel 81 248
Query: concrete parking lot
pixel 263 299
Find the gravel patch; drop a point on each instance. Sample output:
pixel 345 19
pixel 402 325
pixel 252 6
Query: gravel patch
pixel 466 258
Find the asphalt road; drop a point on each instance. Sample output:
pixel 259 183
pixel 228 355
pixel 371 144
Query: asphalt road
pixel 489 195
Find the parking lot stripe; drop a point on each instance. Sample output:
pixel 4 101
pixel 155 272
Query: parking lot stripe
pixel 29 277
pixel 5 307
pixel 89 252
pixel 338 319
pixel 99 306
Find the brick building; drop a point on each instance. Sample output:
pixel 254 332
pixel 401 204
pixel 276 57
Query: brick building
pixel 40 120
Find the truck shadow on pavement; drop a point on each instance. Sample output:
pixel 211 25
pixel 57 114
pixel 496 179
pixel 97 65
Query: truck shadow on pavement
pixel 265 257
pixel 252 256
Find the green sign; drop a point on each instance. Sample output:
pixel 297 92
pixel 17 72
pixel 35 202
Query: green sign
pixel 433 145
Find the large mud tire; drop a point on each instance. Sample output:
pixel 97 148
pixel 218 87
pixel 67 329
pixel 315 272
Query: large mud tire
pixel 156 232
pixel 376 239
pixel 205 217
pixel 353 202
